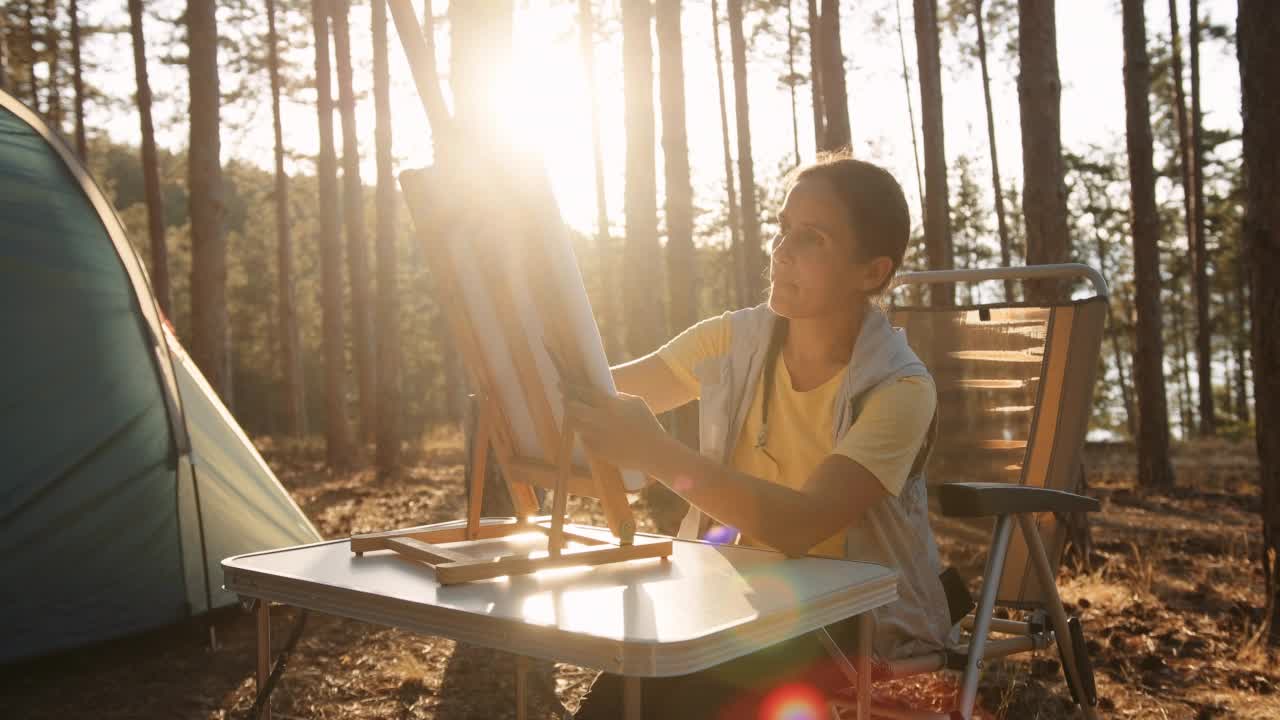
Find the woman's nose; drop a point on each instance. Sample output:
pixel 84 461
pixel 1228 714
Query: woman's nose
pixel 781 249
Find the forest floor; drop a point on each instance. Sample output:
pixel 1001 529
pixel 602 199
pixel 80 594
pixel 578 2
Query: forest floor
pixel 1171 608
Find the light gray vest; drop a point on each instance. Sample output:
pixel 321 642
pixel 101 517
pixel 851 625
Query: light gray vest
pixel 894 531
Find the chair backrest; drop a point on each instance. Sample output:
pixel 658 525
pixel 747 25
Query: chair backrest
pixel 1015 387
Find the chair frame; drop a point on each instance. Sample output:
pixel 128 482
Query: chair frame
pixel 1047 625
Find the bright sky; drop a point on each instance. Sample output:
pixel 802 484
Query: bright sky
pixel 549 98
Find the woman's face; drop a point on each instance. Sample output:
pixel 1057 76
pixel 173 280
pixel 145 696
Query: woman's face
pixel 812 270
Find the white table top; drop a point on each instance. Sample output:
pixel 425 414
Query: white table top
pixel 704 605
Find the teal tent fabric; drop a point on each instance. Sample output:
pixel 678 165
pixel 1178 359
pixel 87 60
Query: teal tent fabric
pixel 124 481
pixel 86 440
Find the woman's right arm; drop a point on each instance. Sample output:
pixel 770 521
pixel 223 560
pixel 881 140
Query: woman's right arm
pixel 652 379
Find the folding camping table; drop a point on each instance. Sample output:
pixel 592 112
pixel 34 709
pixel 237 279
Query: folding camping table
pixel 702 606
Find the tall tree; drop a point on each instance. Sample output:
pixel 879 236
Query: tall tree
pixel 937 218
pixel 1154 468
pixel 1257 27
pixel 336 431
pixel 150 166
pixel 77 82
pixel 835 98
pixel 998 188
pixel 1200 255
pixel 388 350
pixel 682 297
pixel 792 79
pixel 640 201
pixel 52 56
pixel 604 250
pixel 353 216
pixel 1044 196
pixel 815 75
pixel 753 261
pixel 737 255
pixel 286 310
pixel 204 183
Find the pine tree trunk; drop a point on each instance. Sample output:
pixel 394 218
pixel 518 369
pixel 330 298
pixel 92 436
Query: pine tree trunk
pixel 835 97
pixel 1200 256
pixel 815 75
pixel 997 187
pixel 791 83
pixel 1257 27
pixel 753 260
pixel 738 257
pixel 604 244
pixel 337 433
pixel 362 349
pixel 208 238
pixel 6 84
pixel 1113 331
pixel 286 310
pixel 150 170
pixel 1183 348
pixel 388 326
pixel 937 219
pixel 53 53
pixel 682 311
pixel 77 80
pixel 1154 468
pixel 1241 339
pixel 641 282
pixel 1044 196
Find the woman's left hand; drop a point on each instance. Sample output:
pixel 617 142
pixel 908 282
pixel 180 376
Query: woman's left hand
pixel 620 429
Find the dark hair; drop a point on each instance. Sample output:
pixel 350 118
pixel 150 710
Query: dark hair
pixel 873 199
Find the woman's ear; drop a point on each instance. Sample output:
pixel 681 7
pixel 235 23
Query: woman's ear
pixel 875 274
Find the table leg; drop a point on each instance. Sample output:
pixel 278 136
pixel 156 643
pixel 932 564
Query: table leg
pixel 264 652
pixel 631 698
pixel 522 687
pixel 863 665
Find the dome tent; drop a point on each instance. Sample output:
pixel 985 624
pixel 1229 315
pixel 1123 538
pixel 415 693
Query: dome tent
pixel 124 481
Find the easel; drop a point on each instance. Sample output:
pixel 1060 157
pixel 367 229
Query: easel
pixel 440 189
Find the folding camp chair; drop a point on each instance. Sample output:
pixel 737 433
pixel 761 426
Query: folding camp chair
pixel 1015 384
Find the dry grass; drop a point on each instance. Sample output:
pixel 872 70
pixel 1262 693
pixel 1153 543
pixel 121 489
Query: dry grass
pixel 1171 610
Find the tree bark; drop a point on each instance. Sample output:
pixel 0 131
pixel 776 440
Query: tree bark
pixel 150 169
pixel 362 349
pixel 604 242
pixel 1113 332
pixel 1241 337
pixel 1154 468
pixel 738 257
pixel 641 282
pixel 1257 27
pixel 208 238
pixel 937 218
pixel 286 310
pixel 682 307
pixel 1044 196
pixel 337 433
pixel 815 75
pixel 53 52
pixel 791 82
pixel 996 186
pixel 1200 256
pixel 753 260
pixel 77 81
pixel 388 326
pixel 835 97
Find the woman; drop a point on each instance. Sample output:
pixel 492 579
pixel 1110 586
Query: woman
pixel 814 422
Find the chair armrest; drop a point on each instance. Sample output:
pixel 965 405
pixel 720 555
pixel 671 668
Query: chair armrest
pixel 987 499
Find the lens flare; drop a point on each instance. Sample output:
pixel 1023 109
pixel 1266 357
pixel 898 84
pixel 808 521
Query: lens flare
pixel 720 535
pixel 796 701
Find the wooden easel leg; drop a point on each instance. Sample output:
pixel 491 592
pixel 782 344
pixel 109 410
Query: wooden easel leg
pixel 555 540
pixel 264 652
pixel 631 706
pixel 479 466
pixel 522 687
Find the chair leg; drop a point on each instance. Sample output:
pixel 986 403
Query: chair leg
pixel 1057 614
pixel 982 615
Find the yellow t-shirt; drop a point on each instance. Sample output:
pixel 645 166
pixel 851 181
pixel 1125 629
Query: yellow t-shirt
pixel 884 439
